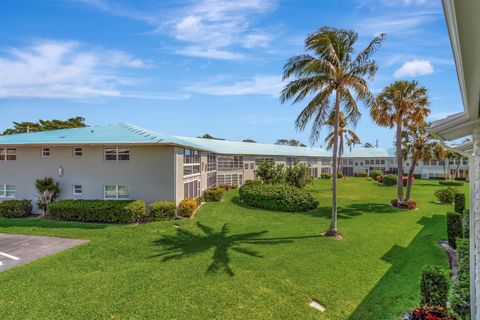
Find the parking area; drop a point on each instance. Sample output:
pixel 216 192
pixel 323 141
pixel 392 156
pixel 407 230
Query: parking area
pixel 18 249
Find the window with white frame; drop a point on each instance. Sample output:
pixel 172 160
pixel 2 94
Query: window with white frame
pixel 116 192
pixel 326 162
pixel 211 162
pixel 291 160
pixel 230 162
pixel 117 154
pixel 77 190
pixel 260 160
pixel 191 189
pixel 8 154
pixel 211 180
pixel 252 165
pixel 77 152
pixel 230 179
pixel 191 162
pixel 45 152
pixel 8 191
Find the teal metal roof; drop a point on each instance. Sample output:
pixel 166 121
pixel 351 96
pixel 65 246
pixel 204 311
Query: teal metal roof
pixel 124 133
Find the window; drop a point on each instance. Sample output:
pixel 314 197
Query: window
pixel 8 154
pixel 191 189
pixel 191 162
pixel 260 160
pixel 326 162
pixel 377 161
pixel 252 165
pixel 116 192
pixel 292 160
pixel 230 162
pixel 211 162
pixel 382 161
pixel 367 161
pixel 245 166
pixel 45 152
pixel 465 161
pixel 8 191
pixel 77 152
pixel 230 179
pixel 117 154
pixel 77 190
pixel 211 180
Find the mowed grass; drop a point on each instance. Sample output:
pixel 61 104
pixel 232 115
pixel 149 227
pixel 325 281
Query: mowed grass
pixel 235 262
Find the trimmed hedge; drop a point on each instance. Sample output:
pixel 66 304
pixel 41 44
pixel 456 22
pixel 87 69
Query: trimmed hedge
pixel 389 180
pixel 466 224
pixel 446 195
pixel 213 194
pixel 325 176
pixel 375 173
pixel 460 295
pixel 113 211
pixel 163 210
pixel 187 207
pixel 417 176
pixel 459 202
pixel 15 208
pixel 279 197
pixel 433 286
pixel 360 174
pixel 454 227
pixel 453 183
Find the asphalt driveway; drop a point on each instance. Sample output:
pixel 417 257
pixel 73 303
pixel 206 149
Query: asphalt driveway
pixel 18 249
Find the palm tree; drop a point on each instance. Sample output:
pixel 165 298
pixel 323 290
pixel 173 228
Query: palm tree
pixel 451 155
pixel 419 145
pixel 401 104
pixel 328 67
pixel 345 135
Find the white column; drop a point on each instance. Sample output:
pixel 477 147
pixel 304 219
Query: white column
pixel 475 225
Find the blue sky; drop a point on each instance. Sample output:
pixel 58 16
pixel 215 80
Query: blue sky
pixel 192 67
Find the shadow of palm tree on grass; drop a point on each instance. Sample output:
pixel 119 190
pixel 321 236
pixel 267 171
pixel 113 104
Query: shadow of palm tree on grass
pixel 186 243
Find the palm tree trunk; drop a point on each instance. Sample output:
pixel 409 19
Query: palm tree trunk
pixel 332 231
pixel 399 161
pixel 409 179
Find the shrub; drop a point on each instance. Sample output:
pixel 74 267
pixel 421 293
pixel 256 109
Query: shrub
pixel 225 187
pixel 270 173
pixel 446 195
pixel 234 186
pixel 375 173
pixel 298 175
pixel 453 183
pixel 409 204
pixel 278 197
pixel 213 194
pixel 454 227
pixel 339 175
pixel 459 201
pixel 433 286
pixel 199 200
pixel 379 179
pixel 325 176
pixel 48 190
pixel 460 295
pixel 163 210
pixel 15 208
pixel 113 211
pixel 430 313
pixel 405 179
pixel 466 224
pixel 187 207
pixel 360 174
pixel 417 176
pixel 389 180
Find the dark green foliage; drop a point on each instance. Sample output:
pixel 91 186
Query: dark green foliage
pixel 163 210
pixel 47 190
pixel 326 176
pixel 298 175
pixel 290 142
pixel 213 194
pixel 270 173
pixel 417 176
pixel 113 211
pixel 460 295
pixel 279 197
pixel 453 183
pixel 466 224
pixel 454 227
pixel 389 180
pixel 45 125
pixel 360 174
pixel 15 208
pixel 375 173
pixel 339 175
pixel 433 286
pixel 446 195
pixel 460 202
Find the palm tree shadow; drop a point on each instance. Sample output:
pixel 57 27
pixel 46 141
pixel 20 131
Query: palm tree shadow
pixel 185 244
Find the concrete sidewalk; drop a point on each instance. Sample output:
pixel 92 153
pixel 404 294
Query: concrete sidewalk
pixel 16 249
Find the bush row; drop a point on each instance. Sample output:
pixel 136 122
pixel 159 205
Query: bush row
pixel 446 195
pixel 15 208
pixel 279 197
pixel 460 293
pixel 360 174
pixel 453 183
pixel 325 176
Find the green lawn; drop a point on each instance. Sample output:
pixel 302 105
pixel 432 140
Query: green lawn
pixel 234 262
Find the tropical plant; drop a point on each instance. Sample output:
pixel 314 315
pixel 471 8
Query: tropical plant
pixel 402 104
pixel 298 175
pixel 329 68
pixel 270 173
pixel 47 190
pixel 452 155
pixel 418 144
pixel 45 125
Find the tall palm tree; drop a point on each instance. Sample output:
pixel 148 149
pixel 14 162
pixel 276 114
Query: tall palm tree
pixel 328 68
pixel 401 104
pixel 419 145
pixel 345 135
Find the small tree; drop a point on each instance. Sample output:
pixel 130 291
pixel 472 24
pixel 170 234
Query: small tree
pixel 298 175
pixel 48 190
pixel 271 173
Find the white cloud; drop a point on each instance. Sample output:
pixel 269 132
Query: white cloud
pixel 59 69
pixel 259 85
pixel 397 23
pixel 414 68
pixel 200 52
